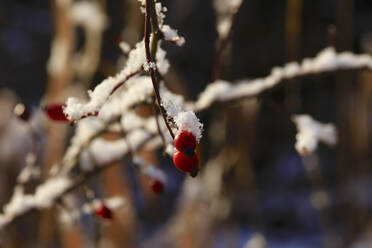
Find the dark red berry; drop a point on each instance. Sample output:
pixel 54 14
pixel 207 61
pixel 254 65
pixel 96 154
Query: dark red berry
pixel 55 112
pixel 103 212
pixel 185 142
pixel 117 40
pixel 185 163
pixel 22 111
pixel 157 186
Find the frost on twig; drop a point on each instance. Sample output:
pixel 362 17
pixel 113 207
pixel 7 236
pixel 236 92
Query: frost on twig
pixel 168 33
pixel 44 197
pixel 137 90
pixel 30 171
pixel 124 47
pixel 310 132
pixel 225 11
pixel 184 120
pixel 76 110
pixel 172 35
pixel 327 60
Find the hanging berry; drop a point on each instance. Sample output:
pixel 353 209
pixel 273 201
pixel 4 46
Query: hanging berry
pixel 117 40
pixel 185 142
pixel 55 112
pixel 103 212
pixel 157 187
pixel 185 163
pixel 22 111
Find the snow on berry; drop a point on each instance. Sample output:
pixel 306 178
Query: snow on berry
pixel 187 121
pixel 55 112
pixel 184 120
pixel 185 163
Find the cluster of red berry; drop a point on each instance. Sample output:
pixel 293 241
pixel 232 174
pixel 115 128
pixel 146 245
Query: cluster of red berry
pixel 185 158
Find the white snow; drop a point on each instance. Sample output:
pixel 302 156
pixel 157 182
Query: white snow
pixel 44 197
pixel 325 61
pixel 137 90
pixel 187 120
pixel 75 110
pixel 310 132
pixel 172 35
pixel 148 66
pixel 89 15
pixel 112 203
pixel 161 61
pixel 30 170
pixel 184 120
pixel 225 10
pixel 47 192
pixel 106 152
pixel 125 47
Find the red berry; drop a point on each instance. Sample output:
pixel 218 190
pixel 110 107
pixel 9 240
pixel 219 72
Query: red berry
pixel 55 112
pixel 185 140
pixel 103 212
pixel 117 40
pixel 157 186
pixel 185 163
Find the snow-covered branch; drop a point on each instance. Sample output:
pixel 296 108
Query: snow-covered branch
pixel 144 132
pixel 326 61
pixel 44 197
pixel 76 110
pixel 112 103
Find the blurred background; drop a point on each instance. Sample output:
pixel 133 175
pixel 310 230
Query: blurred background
pixel 254 189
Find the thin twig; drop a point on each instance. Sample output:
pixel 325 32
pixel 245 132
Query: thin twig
pixel 222 44
pixel 156 116
pixel 151 15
